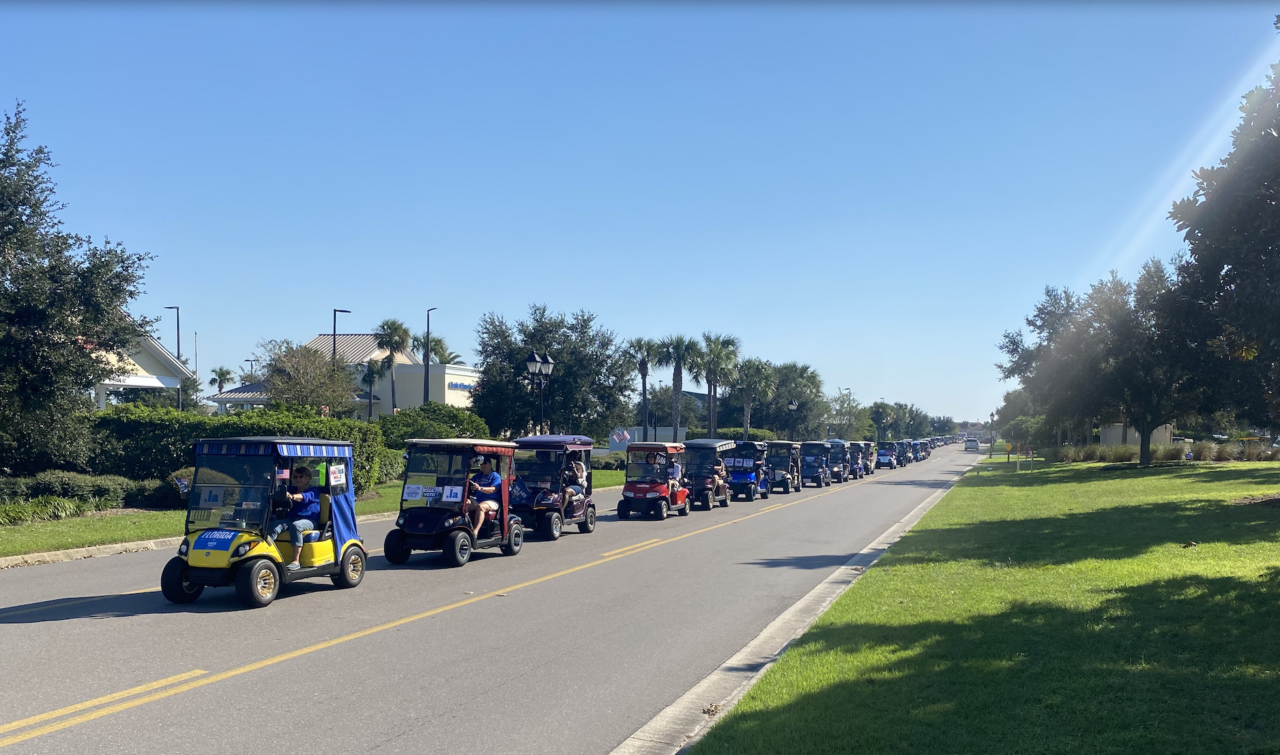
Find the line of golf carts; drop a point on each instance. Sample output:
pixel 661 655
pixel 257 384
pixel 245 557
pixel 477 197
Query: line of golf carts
pixel 458 495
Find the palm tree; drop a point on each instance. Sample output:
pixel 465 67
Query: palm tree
pixel 374 371
pixel 437 351
pixel 882 415
pixel 393 336
pixel 716 364
pixel 677 352
pixel 757 380
pixel 645 352
pixel 221 376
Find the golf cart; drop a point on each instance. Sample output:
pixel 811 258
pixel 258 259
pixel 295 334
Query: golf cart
pixel 814 465
pixel 868 457
pixel 440 502
pixel 238 489
pixel 783 460
pixel 748 469
pixel 540 496
pixel 700 462
pixel 842 461
pixel 653 483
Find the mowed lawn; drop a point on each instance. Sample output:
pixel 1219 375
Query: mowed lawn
pixel 1060 611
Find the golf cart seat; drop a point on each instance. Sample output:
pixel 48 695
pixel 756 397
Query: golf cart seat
pixel 326 523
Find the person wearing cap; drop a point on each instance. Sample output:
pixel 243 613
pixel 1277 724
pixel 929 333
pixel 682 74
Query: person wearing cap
pixel 486 486
pixel 303 516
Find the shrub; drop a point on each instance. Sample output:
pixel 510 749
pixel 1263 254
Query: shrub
pixel 1091 453
pixel 390 464
pixel 49 508
pixel 144 443
pixel 730 433
pixel 613 460
pixel 1204 450
pixel 1227 452
pixel 431 421
pixel 1118 454
pixel 1175 452
pixel 1253 452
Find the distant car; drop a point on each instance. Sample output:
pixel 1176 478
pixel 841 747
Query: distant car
pixel 886 459
pixel 971 444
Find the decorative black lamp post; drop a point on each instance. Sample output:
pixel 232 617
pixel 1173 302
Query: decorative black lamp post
pixel 539 369
pixel 643 364
pixel 792 406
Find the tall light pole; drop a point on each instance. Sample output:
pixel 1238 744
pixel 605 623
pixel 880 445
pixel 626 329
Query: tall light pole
pixel 334 356
pixel 177 311
pixel 792 407
pixel 253 366
pixel 539 369
pixel 426 362
pixel 643 365
pixel 991 428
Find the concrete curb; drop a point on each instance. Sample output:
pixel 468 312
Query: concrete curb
pixel 681 724
pixel 137 546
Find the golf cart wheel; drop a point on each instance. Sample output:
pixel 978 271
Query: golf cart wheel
pixel 174 584
pixel 353 567
pixel 662 509
pixel 552 525
pixel 687 505
pixel 751 493
pixel 768 490
pixel 588 524
pixel 624 511
pixel 515 541
pixel 395 548
pixel 725 503
pixel 706 500
pixel 786 487
pixel 258 583
pixel 457 548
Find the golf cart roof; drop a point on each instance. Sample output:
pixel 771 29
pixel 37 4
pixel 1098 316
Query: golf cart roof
pixel 671 448
pixel 269 445
pixel 479 445
pixel 716 443
pixel 816 443
pixel 557 442
pixel 787 443
pixel 838 440
pixel 758 445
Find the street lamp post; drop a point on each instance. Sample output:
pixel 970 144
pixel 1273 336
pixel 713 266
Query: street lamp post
pixel 539 369
pixel 253 366
pixel 991 428
pixel 177 312
pixel 792 407
pixel 334 356
pixel 643 364
pixel 426 362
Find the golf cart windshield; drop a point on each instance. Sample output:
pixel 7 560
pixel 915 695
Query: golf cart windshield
pixel 540 469
pixel 641 469
pixel 436 478
pixel 231 492
pixel 702 462
pixel 838 455
pixel 813 454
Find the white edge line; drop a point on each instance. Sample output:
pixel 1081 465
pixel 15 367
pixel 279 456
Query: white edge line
pixel 679 726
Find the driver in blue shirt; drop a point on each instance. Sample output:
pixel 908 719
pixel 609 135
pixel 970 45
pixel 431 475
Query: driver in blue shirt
pixel 303 515
pixel 486 487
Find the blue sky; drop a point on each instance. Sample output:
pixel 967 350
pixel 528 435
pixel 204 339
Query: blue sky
pixel 876 190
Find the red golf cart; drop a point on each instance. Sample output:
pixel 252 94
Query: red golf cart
pixel 653 484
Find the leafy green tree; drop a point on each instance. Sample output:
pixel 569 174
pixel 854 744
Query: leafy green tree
pixel 393 336
pixel 63 306
pixel 755 381
pixel 645 353
pixel 802 384
pixel 849 419
pixel 677 352
pixel 588 392
pixel 221 376
pixel 715 365
pixel 660 407
pixel 431 421
pixel 942 426
pixel 300 376
pixel 883 415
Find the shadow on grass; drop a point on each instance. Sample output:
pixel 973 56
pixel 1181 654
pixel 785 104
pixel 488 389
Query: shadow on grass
pixel 1164 667
pixel 1261 474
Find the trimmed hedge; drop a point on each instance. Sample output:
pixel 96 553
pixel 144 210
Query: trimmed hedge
pixel 612 460
pixel 390 465
pixel 730 433
pixel 431 421
pixel 110 491
pixel 48 508
pixel 144 443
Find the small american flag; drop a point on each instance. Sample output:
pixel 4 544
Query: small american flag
pixel 621 435
pixel 282 474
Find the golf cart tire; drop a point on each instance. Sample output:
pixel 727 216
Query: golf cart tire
pixel 352 568
pixel 588 523
pixel 457 549
pixel 515 540
pixel 786 487
pixel 624 511
pixel 661 509
pixel 552 525
pixel 768 490
pixel 685 510
pixel 247 579
pixel 751 494
pixel 174 586
pixel 395 548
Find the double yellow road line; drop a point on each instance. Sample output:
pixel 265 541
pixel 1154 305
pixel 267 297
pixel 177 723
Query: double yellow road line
pixel 175 685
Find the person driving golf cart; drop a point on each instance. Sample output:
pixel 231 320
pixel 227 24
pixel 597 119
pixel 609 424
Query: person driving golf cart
pixel 486 493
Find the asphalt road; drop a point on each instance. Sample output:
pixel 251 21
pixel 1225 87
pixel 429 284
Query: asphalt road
pixel 568 647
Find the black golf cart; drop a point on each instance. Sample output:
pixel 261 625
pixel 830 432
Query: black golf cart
pixel 542 496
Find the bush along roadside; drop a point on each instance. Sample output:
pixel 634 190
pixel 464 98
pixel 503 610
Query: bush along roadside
pixel 106 491
pixel 48 508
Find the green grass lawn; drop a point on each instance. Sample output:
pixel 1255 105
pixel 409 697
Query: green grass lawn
pixel 1048 612
pixel 607 478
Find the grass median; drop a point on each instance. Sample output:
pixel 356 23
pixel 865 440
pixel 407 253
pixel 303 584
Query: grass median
pixel 110 527
pixel 1071 609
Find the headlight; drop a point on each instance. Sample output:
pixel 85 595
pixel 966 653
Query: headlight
pixel 652 495
pixel 628 494
pixel 243 548
pixel 183 548
pixel 400 522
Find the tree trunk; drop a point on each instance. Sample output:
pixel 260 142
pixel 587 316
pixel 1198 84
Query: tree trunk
pixel 711 409
pixel 1144 446
pixel 644 406
pixel 677 398
pixel 393 386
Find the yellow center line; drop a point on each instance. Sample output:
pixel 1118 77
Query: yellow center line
pixel 96 701
pixel 629 547
pixel 266 662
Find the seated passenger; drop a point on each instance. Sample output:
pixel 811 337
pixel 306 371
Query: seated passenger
pixel 718 477
pixel 575 478
pixel 303 515
pixel 673 478
pixel 486 486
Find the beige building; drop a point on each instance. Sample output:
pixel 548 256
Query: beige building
pixel 449 383
pixel 1120 435
pixel 148 365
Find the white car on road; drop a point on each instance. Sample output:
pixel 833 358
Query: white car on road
pixel 971 444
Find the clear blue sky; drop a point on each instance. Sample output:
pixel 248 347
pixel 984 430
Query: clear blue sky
pixel 878 191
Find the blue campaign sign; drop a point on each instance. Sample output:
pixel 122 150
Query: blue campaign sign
pixel 214 540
